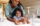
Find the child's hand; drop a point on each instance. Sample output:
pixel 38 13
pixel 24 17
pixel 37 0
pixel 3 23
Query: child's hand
pixel 28 22
pixel 17 22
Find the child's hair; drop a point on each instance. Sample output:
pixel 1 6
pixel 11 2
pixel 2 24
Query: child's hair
pixel 17 9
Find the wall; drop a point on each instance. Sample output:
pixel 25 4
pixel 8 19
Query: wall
pixel 34 4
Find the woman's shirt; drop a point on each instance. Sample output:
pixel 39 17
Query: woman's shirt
pixel 8 10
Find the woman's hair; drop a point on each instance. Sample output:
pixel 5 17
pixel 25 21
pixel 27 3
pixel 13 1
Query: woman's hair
pixel 18 3
pixel 17 9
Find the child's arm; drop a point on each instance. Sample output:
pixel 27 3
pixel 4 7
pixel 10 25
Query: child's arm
pixel 16 21
pixel 22 20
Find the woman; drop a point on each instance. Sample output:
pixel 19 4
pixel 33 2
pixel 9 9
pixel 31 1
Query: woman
pixel 9 8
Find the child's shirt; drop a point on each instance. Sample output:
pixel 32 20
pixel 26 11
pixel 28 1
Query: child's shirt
pixel 17 18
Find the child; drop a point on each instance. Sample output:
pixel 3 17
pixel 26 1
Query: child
pixel 18 16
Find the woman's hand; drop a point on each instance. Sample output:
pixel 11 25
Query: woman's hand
pixel 26 20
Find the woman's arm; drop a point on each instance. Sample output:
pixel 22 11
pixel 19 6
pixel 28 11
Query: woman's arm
pixel 24 13
pixel 12 20
pixel 7 13
pixel 28 22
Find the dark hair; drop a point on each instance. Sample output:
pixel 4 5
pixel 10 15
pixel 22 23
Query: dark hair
pixel 17 9
pixel 18 3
